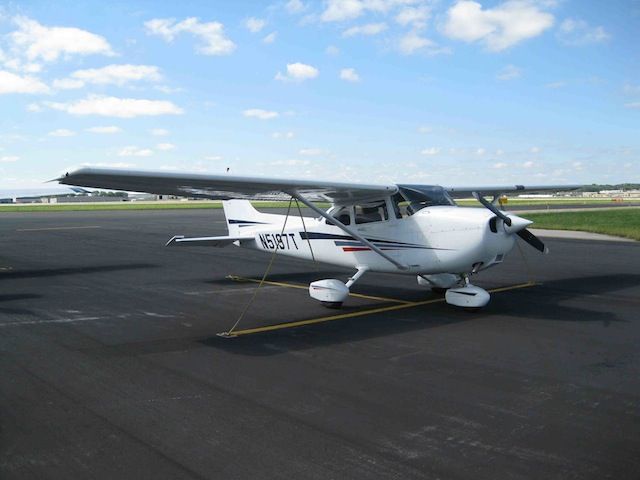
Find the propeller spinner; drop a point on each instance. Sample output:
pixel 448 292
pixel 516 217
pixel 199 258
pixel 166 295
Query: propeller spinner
pixel 514 224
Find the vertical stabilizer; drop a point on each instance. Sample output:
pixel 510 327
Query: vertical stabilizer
pixel 240 214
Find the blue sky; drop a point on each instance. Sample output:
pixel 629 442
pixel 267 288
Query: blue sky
pixel 447 92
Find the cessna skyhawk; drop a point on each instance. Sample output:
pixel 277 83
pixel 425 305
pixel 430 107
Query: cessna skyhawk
pixel 404 229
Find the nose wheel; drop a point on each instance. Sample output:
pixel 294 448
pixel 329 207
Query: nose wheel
pixel 470 297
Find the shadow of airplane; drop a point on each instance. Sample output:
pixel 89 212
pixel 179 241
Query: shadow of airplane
pixel 540 302
pixel 372 284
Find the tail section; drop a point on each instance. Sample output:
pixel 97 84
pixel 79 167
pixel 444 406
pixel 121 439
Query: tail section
pixel 240 214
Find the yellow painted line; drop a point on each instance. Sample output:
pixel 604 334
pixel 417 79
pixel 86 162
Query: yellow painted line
pixel 236 278
pixel 370 311
pixel 55 228
pixel 514 287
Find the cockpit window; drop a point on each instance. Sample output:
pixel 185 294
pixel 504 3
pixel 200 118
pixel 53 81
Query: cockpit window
pixel 371 212
pixel 418 197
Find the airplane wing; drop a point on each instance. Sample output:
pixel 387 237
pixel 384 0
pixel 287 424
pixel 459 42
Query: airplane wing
pixel 223 186
pixel 466 192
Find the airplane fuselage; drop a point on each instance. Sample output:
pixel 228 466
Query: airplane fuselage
pixel 441 239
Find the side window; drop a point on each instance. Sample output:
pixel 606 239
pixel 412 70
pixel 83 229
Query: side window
pixel 372 212
pixel 342 215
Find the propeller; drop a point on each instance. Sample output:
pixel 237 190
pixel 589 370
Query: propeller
pixel 532 240
pixel 523 233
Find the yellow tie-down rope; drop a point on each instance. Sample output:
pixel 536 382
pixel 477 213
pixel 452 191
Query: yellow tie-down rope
pixel 229 333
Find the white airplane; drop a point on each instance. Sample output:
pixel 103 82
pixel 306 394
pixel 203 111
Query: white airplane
pixel 404 229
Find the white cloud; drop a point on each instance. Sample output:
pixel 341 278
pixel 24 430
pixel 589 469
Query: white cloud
pixel 107 164
pixel 632 105
pixel 62 132
pixel 555 85
pixel 133 151
pixel 498 28
pixel 12 83
pixel 291 162
pixel 528 164
pixel 9 158
pixel 20 65
pixel 254 25
pixel 260 114
pixel 268 39
pixel 425 129
pixel 332 50
pixel 480 151
pixel 415 16
pixel 211 34
pixel 159 132
pixel 310 151
pixel 165 147
pixel 341 10
pixel 298 72
pixel 631 89
pixel 167 89
pixel 104 130
pixel 213 157
pixel 117 107
pixel 37 41
pixel 67 83
pixel 368 29
pixel 294 6
pixel 286 135
pixel 413 42
pixel 500 165
pixel 111 74
pixel 578 32
pixel 430 151
pixel 349 75
pixel 509 72
pixel 535 149
pixel 577 165
pixel 34 107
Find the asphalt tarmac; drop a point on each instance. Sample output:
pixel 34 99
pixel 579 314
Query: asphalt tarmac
pixel 110 366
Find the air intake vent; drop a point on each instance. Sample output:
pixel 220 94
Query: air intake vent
pixel 493 224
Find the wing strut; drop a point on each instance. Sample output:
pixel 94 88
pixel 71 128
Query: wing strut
pixel 348 230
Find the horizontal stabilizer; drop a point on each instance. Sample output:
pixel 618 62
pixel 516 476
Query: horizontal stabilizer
pixel 181 241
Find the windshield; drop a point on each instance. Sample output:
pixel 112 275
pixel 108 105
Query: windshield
pixel 422 196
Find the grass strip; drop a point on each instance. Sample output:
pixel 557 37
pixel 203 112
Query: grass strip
pixel 624 222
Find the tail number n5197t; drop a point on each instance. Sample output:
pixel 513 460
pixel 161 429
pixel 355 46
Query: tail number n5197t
pixel 273 241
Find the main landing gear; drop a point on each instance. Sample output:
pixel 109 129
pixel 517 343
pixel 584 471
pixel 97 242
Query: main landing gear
pixel 331 292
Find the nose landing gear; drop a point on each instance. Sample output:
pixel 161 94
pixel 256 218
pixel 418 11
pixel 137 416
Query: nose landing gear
pixel 468 296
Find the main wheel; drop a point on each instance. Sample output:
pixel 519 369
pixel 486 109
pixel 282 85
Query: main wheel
pixel 331 304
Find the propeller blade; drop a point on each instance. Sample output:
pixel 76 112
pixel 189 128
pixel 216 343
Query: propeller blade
pixel 490 206
pixel 532 240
